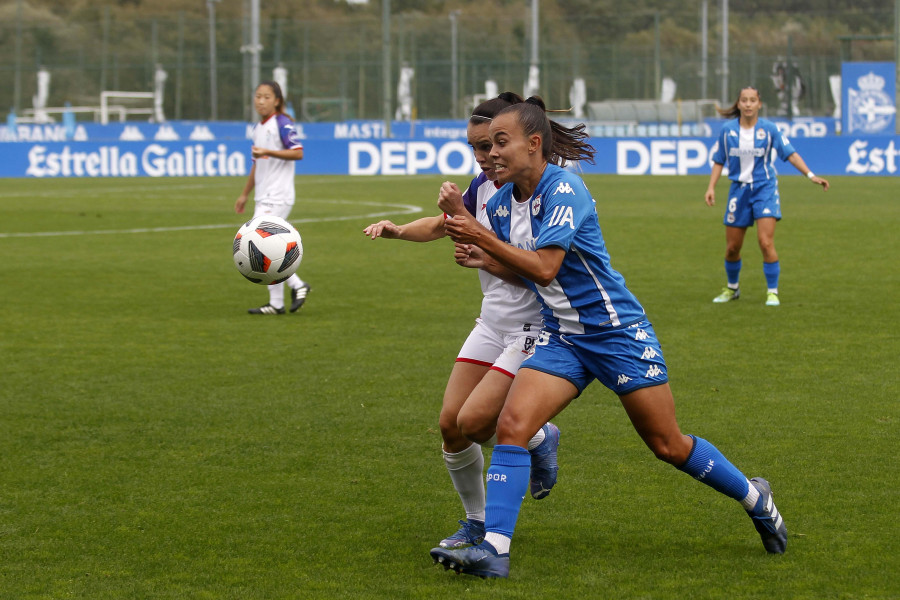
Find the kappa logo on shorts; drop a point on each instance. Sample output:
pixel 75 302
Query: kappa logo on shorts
pixel 649 353
pixel 623 379
pixel 640 334
pixel 653 371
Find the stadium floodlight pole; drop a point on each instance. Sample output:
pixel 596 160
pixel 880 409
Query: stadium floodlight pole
pixel 213 85
pixel 724 73
pixel 386 65
pixel 17 79
pixel 254 43
pixel 704 49
pixel 454 64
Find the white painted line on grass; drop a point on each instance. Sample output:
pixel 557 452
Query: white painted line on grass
pixel 400 209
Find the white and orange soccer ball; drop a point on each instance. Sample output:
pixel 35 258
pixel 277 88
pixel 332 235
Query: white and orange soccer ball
pixel 267 250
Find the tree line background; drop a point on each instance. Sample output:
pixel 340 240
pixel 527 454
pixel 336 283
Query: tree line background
pixel 333 53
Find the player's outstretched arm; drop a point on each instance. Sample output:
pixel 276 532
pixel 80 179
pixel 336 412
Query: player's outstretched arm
pixel 798 162
pixel 426 229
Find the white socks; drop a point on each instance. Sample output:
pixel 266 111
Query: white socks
pixel 466 470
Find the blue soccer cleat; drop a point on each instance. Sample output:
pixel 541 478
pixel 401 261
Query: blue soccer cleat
pixel 767 519
pixel 543 463
pixel 470 533
pixel 481 560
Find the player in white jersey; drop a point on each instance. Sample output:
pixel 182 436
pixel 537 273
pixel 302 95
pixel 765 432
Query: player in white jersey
pixel 504 335
pixel 546 230
pixel 748 145
pixel 276 146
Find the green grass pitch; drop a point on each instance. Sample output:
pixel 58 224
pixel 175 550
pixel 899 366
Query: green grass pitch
pixel 158 442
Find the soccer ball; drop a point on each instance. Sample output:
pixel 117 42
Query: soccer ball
pixel 267 250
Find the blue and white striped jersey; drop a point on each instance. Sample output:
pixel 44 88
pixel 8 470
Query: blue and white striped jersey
pixel 587 295
pixel 748 153
pixel 506 307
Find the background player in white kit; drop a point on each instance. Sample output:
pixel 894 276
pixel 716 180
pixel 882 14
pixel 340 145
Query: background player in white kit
pixel 275 148
pixel 503 336
pixel 747 144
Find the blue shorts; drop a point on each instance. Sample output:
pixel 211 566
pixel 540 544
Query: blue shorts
pixel 748 202
pixel 624 359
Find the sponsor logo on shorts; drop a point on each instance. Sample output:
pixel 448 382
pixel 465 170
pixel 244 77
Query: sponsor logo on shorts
pixel 623 379
pixel 529 345
pixel 653 371
pixel 640 334
pixel 649 353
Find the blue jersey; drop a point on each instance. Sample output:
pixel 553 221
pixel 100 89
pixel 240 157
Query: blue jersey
pixel 749 154
pixel 587 295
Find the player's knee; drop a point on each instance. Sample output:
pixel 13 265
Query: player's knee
pixel 669 450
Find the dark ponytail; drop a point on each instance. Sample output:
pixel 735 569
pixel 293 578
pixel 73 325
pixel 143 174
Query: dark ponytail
pixel 560 144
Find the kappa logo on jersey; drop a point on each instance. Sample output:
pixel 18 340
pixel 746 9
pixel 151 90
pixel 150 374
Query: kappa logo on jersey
pixel 653 371
pixel 536 205
pixel 623 379
pixel 733 133
pixel 564 188
pixel 649 353
pixel 562 215
pixel 501 211
pixel 640 334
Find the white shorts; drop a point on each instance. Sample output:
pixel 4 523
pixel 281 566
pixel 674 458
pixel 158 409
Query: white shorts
pixel 502 352
pixel 268 208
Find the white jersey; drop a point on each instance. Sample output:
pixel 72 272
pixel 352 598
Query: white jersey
pixel 506 308
pixel 274 177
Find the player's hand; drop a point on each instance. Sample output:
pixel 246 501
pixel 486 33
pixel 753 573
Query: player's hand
pixel 710 198
pixel 385 229
pixel 467 255
pixel 819 181
pixel 464 229
pixel 239 204
pixel 258 152
pixel 450 199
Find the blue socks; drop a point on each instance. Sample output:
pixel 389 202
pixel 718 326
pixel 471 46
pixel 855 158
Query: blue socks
pixel 707 465
pixel 507 484
pixel 772 271
pixel 733 272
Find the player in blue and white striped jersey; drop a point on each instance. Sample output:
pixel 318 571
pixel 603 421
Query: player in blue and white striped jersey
pixel 545 229
pixel 504 335
pixel 747 145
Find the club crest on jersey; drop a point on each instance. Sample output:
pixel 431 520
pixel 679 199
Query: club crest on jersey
pixel 536 205
pixel 760 134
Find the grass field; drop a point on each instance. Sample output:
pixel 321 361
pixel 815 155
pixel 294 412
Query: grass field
pixel 158 442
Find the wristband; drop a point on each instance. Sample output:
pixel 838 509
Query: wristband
pixel 810 174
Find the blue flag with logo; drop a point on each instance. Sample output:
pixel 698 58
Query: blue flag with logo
pixel 869 98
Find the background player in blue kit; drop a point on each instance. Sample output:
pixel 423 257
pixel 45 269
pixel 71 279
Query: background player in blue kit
pixel 546 230
pixel 747 145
